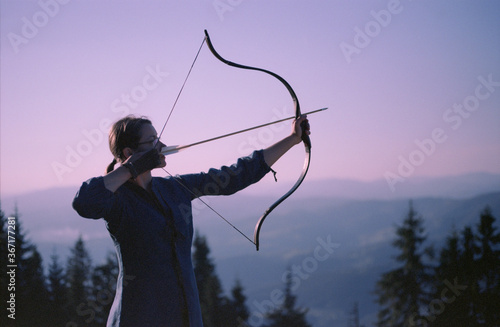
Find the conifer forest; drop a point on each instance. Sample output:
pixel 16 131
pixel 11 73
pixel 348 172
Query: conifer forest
pixel 456 285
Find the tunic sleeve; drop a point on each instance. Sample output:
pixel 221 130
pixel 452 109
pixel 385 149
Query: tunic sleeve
pixel 227 180
pixel 94 200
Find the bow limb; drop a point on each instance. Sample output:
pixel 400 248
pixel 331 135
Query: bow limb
pixel 283 198
pixel 305 138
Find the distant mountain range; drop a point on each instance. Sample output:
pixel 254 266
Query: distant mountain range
pixel 460 186
pixel 333 235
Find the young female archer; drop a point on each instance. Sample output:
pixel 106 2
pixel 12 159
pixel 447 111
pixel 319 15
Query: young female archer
pixel 150 222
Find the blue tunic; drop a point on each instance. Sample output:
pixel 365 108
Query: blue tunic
pixel 153 236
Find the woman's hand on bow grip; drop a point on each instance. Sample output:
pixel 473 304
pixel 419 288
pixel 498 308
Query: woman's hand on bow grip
pixel 300 126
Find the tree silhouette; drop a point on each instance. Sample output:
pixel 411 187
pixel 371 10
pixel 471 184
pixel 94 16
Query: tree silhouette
pixel 22 275
pixel 469 274
pixel 33 295
pixel 488 270
pixel 288 315
pixel 470 263
pixel 448 309
pixel 78 281
pixel 465 285
pixel 58 293
pixel 103 288
pixel 209 286
pixel 237 303
pixel 233 310
pixel 402 291
pixel 216 308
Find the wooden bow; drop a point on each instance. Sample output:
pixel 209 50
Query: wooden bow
pixel 305 138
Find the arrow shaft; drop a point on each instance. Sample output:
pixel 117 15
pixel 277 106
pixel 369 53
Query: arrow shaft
pixel 169 150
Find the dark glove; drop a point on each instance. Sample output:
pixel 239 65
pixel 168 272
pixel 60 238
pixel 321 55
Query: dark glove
pixel 148 161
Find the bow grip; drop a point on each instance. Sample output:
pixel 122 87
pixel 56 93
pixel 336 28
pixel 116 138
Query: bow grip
pixel 305 137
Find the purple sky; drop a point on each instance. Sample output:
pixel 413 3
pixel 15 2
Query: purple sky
pixel 413 87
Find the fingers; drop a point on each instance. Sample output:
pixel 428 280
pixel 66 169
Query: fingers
pixel 147 161
pixel 303 123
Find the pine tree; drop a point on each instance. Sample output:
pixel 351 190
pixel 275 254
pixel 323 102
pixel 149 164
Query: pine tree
pixel 58 306
pixel 104 288
pixel 30 287
pixel 471 262
pixel 234 311
pixel 488 270
pixel 36 298
pixel 402 292
pixel 469 274
pixel 238 305
pixel 287 315
pixel 209 286
pixel 216 308
pixel 78 282
pixel 454 267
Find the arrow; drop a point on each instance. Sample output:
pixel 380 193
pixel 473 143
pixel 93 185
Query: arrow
pixel 176 148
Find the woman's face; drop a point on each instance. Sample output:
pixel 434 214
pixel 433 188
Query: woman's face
pixel 148 141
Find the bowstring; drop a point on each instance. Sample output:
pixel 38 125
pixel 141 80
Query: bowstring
pixel 163 128
pixel 207 205
pixel 182 88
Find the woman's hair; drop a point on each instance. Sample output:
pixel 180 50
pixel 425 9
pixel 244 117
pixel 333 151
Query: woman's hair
pixel 124 133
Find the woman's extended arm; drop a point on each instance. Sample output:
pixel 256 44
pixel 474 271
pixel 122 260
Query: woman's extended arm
pixel 116 178
pixel 275 151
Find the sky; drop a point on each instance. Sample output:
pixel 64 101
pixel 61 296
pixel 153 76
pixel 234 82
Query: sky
pixel 412 87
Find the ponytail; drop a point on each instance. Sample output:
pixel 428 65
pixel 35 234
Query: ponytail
pixel 111 166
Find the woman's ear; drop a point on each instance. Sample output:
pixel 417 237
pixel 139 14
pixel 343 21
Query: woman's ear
pixel 127 152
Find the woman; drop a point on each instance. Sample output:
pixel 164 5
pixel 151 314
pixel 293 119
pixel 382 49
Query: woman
pixel 150 221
